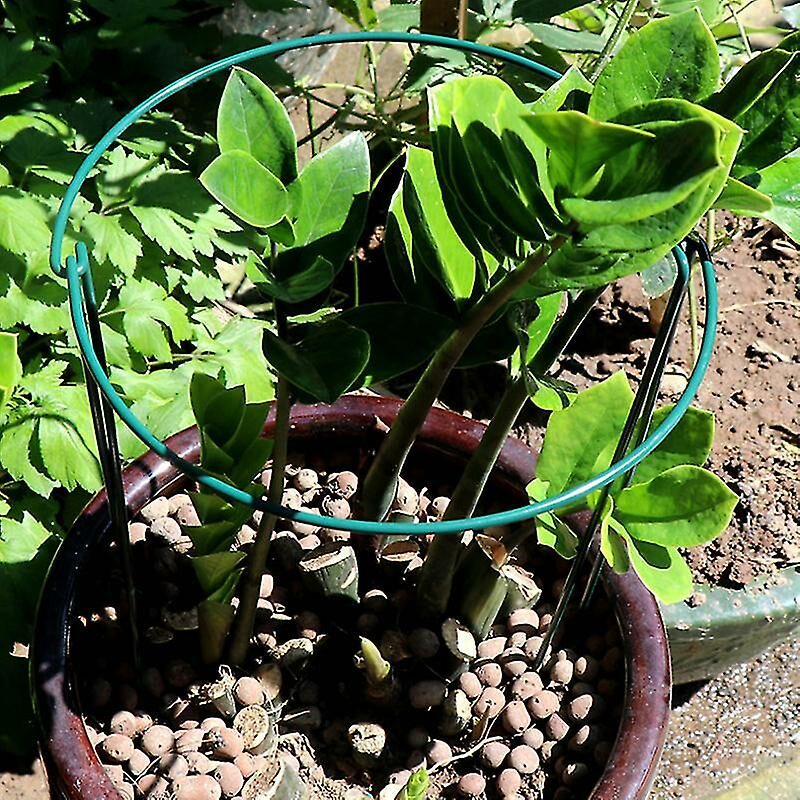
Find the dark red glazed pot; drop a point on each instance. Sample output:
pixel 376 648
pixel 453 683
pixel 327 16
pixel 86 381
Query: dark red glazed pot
pixel 75 772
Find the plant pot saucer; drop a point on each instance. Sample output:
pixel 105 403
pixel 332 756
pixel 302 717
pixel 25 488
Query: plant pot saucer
pixel 732 625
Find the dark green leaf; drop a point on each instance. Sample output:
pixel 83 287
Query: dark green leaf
pixel 325 364
pixel 252 118
pixel 213 570
pixel 675 57
pixel 20 66
pixel 401 337
pixel 296 287
pixel 246 188
pixel 682 507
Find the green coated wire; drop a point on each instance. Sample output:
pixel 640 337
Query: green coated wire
pixel 81 297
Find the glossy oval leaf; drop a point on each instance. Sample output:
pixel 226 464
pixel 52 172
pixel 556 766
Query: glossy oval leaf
pixel 671 57
pixel 780 182
pixel 325 364
pixel 682 507
pixel 434 240
pixel 304 284
pixel 252 118
pixel 401 336
pixel 690 442
pixel 246 188
pixel 580 440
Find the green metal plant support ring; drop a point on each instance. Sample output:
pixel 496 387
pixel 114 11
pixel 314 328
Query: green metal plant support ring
pixel 77 270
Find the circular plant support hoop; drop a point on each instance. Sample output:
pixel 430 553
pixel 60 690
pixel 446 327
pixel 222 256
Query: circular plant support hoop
pixel 73 767
pixel 81 297
pixel 732 625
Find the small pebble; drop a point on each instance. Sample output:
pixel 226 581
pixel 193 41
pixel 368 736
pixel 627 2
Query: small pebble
pixel 526 686
pixel 580 707
pixel 533 737
pixel 491 648
pixel 513 662
pixel 248 691
pixel 155 509
pixel 562 672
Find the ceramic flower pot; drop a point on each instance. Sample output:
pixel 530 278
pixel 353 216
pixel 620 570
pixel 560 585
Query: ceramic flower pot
pixel 74 770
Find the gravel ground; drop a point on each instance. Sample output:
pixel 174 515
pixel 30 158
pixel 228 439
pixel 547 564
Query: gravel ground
pixel 744 722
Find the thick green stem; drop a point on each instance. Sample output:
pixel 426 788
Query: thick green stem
pixel 381 480
pixel 436 575
pixel 257 562
pixel 613 39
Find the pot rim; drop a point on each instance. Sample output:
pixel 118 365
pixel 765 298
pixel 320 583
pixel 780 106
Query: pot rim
pixel 69 755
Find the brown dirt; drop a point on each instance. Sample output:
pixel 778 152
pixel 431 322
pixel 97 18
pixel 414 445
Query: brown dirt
pixel 751 387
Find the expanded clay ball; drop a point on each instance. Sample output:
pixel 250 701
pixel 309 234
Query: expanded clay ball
pixel 523 759
pixel 491 700
pixel 513 662
pixel 490 674
pixel 580 707
pixel 493 754
pixel 199 763
pixel 508 782
pixel 336 507
pixel 424 643
pixel 438 751
pixel 532 647
pixel 543 705
pixel 138 762
pixel 523 620
pixel 574 774
pixel 173 766
pixel 438 506
pixel 196 787
pixel 586 668
pixel 152 786
pixel 305 479
pixel 562 672
pixel 246 764
pixel 426 694
pixel 248 691
pixel 470 684
pixel 556 728
pixel 158 740
pixel 533 737
pixel 189 741
pixel 143 721
pixel 229 778
pixel 516 718
pixel 117 748
pixel 123 722
pixel 344 484
pixel 226 743
pixel 526 686
pixel 491 648
pixel 471 785
pixel 418 738
pixel 406 499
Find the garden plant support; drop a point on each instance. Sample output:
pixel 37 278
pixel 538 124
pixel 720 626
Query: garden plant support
pixel 105 401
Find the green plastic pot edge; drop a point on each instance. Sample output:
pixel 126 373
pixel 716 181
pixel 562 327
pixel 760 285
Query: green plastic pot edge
pixel 732 625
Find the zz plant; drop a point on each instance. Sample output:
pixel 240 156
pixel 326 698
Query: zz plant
pixel 510 211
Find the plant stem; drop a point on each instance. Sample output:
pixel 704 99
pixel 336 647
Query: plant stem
pixel 613 39
pixel 381 480
pixel 257 561
pixel 436 575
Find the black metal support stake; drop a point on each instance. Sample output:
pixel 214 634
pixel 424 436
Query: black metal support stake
pixel 641 412
pixel 111 466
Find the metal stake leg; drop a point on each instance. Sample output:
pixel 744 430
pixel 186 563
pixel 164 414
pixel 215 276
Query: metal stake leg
pixel 640 412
